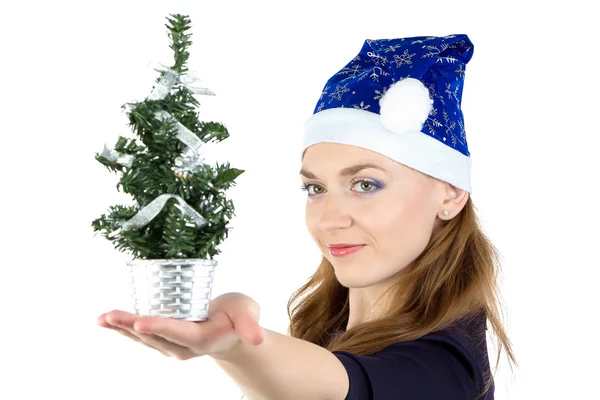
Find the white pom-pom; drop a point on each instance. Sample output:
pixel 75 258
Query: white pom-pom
pixel 405 106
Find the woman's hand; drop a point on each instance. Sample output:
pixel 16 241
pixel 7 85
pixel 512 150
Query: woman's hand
pixel 232 317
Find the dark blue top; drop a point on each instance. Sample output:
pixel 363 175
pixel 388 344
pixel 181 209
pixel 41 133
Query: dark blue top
pixel 445 365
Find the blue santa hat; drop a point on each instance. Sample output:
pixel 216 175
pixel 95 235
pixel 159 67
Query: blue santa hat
pixel 401 98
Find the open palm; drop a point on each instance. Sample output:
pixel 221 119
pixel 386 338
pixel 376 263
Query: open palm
pixel 232 317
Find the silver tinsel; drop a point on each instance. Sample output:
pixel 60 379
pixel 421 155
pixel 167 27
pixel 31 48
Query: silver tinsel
pixel 114 156
pixel 189 163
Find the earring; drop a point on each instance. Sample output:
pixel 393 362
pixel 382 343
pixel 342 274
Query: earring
pixel 445 213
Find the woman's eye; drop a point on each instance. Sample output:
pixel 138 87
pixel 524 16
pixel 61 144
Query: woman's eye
pixel 315 189
pixel 311 188
pixel 366 186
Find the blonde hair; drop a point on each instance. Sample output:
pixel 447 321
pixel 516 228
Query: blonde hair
pixel 454 277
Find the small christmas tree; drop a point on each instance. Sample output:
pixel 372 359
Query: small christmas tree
pixel 181 210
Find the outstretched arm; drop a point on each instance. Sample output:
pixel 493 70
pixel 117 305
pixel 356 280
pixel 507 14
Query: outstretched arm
pixel 284 368
pixel 265 364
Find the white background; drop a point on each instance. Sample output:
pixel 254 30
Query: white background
pixel 531 109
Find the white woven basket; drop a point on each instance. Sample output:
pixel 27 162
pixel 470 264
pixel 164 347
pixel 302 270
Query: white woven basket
pixel 172 288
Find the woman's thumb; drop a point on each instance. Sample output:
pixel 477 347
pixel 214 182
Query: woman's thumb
pixel 248 329
pixel 245 317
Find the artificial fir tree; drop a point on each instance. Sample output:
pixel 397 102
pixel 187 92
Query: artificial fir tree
pixel 180 209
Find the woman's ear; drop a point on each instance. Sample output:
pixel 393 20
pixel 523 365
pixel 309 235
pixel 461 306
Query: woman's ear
pixel 455 200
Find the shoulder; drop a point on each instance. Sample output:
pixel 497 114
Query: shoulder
pixel 444 364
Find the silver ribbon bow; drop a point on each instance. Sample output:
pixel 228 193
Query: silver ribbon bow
pixel 170 78
pixel 114 156
pixel 148 213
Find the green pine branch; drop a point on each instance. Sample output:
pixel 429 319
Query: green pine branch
pixel 180 24
pixel 178 234
pixel 112 166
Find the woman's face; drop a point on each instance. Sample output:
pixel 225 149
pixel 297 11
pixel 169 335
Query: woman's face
pixel 359 197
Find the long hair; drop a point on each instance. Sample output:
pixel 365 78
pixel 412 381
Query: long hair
pixel 456 276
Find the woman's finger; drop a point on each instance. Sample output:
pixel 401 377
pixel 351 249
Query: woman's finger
pixel 159 344
pixel 173 349
pixel 172 330
pixel 133 337
pixel 119 318
pixel 195 335
pixel 124 322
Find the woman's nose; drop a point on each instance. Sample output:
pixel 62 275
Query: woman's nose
pixel 333 214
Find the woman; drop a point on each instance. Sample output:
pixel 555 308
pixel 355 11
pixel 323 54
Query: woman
pixel 398 307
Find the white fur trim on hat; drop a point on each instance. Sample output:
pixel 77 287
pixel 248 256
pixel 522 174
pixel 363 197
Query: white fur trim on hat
pixel 414 149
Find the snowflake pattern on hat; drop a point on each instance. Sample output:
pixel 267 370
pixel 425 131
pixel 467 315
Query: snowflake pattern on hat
pixel 437 62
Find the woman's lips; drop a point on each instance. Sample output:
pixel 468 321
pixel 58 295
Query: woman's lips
pixel 339 251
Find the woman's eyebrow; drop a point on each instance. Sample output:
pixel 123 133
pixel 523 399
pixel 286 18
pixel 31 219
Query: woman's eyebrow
pixel 346 171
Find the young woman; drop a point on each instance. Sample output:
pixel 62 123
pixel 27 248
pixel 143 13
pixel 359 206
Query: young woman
pixel 398 308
